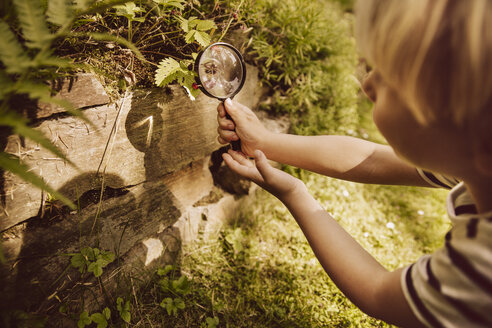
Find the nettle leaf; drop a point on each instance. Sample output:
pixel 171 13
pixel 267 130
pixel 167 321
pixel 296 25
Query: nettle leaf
pixel 11 163
pixel 59 12
pixel 12 54
pixel 33 25
pixel 166 72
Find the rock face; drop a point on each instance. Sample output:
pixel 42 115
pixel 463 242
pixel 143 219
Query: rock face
pixel 142 186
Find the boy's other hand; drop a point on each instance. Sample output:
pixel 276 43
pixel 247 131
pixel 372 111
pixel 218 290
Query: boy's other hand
pixel 244 125
pixel 275 181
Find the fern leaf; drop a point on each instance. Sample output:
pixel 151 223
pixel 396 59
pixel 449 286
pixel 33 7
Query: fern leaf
pixel 31 19
pixel 83 4
pixel 12 55
pixel 5 84
pixel 12 164
pixel 166 72
pixel 59 12
pixel 19 124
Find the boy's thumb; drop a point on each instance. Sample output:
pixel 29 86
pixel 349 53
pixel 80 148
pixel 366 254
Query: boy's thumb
pixel 261 163
pixel 231 107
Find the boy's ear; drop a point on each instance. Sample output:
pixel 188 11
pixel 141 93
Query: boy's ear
pixel 482 142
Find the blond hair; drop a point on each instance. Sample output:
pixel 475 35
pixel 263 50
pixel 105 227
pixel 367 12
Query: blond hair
pixel 438 51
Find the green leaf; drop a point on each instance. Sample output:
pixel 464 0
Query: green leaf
pixel 82 4
pixel 126 316
pixel 31 20
pixel 6 84
pixel 190 36
pixel 100 320
pixel 107 313
pixel 84 320
pixel 202 38
pixel 168 268
pixel 59 12
pixel 12 54
pixel 170 3
pixel 78 261
pixel 108 257
pixel 205 25
pixel 166 72
pixel 12 164
pixel 95 268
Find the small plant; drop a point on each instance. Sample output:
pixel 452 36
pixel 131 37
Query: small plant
pixel 91 260
pixel 99 318
pixel 170 70
pixel 130 10
pixel 210 322
pixel 124 309
pixel 175 288
pixel 172 305
pixel 235 240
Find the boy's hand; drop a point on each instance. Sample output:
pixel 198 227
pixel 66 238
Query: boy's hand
pixel 277 182
pixel 247 126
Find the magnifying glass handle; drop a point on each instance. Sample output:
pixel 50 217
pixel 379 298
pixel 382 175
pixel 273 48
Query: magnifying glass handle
pixel 235 145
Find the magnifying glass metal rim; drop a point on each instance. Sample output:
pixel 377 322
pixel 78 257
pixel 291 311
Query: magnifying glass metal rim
pixel 197 65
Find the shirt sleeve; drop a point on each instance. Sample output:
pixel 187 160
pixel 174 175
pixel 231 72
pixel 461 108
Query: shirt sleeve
pixel 453 286
pixel 438 180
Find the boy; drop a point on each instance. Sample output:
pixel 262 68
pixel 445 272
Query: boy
pixel 432 94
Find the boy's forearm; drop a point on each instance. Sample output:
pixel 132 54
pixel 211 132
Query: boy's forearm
pixel 358 275
pixel 342 157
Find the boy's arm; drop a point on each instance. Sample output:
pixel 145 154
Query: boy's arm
pixel 359 276
pixel 340 157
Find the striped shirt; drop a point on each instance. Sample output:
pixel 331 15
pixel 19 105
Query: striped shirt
pixel 453 286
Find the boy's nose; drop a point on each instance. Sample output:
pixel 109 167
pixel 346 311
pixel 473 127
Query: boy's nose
pixel 368 87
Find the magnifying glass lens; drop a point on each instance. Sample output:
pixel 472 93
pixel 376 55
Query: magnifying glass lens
pixel 221 71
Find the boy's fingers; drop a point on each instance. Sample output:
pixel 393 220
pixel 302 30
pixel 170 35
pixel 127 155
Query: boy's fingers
pixel 227 135
pixel 240 158
pixel 220 110
pixel 235 166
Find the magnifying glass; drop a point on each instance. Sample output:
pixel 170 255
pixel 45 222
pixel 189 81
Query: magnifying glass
pixel 221 74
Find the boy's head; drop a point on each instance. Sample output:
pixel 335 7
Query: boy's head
pixel 438 51
pixel 437 54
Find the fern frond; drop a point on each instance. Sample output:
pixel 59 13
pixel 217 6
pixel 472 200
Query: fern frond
pixel 6 84
pixel 19 125
pixel 83 4
pixel 31 18
pixel 166 72
pixel 12 55
pixel 43 93
pixel 59 12
pixel 11 163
